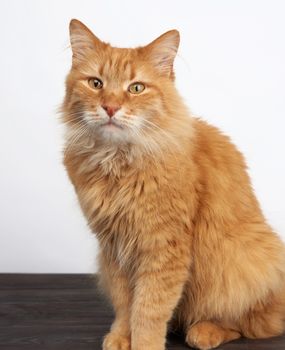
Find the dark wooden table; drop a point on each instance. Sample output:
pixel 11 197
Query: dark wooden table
pixel 66 312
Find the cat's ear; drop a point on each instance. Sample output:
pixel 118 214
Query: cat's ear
pixel 162 52
pixel 82 40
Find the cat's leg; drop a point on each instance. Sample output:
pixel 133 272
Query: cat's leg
pixel 159 283
pixel 266 319
pixel 206 335
pixel 115 283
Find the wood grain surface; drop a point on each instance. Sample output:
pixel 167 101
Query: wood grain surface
pixel 67 312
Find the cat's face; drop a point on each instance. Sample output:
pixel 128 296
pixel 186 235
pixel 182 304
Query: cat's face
pixel 120 95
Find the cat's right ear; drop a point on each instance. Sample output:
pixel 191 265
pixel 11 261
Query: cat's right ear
pixel 82 40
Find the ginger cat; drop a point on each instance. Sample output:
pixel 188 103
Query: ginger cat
pixel 183 241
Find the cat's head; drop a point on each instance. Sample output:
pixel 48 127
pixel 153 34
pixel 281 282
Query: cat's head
pixel 122 95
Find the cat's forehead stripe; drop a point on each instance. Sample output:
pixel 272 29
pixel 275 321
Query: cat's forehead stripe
pixel 101 70
pixel 117 67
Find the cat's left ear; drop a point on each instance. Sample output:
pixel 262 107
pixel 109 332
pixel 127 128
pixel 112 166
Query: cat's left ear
pixel 162 52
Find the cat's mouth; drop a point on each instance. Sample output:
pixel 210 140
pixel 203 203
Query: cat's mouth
pixel 112 124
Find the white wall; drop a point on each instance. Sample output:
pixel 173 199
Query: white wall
pixel 231 70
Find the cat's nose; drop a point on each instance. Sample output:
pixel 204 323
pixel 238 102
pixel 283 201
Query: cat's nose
pixel 111 109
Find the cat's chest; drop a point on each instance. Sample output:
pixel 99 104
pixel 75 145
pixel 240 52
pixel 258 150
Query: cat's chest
pixel 118 205
pixel 120 211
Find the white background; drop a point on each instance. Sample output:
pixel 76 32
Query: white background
pixel 230 69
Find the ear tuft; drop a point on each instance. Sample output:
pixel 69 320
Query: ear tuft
pixel 82 40
pixel 162 51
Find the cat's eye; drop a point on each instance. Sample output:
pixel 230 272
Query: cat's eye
pixel 136 88
pixel 95 83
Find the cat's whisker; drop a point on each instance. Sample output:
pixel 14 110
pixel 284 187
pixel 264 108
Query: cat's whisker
pixel 168 135
pixel 75 136
pixel 73 115
pixel 166 146
pixel 144 142
pixel 156 131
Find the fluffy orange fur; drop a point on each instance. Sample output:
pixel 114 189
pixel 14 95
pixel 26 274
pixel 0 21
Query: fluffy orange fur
pixel 183 241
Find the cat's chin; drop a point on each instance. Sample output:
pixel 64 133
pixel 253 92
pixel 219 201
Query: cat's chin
pixel 113 133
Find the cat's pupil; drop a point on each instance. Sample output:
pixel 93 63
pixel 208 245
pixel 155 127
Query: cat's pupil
pixel 97 83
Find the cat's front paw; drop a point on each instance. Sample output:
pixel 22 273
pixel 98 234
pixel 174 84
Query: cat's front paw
pixel 115 341
pixel 207 335
pixel 204 336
